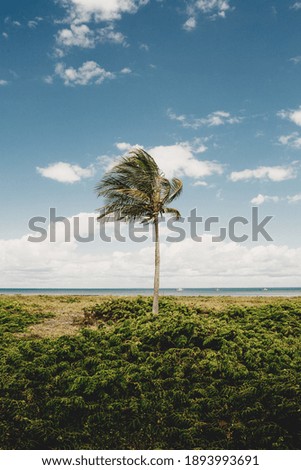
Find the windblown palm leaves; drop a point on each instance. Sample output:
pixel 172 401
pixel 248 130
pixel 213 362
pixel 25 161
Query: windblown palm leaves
pixel 136 190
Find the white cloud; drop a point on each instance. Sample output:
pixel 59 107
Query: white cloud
pixel 3 82
pixel 261 198
pixel 108 34
pixel 8 20
pixel 58 53
pixel 65 172
pixel 206 264
pixel 190 24
pixel 296 60
pixel 123 146
pixel 175 160
pixel 5 35
pixel 89 73
pixel 144 47
pixel 212 8
pixel 48 79
pixel 80 35
pixel 295 198
pixel 200 183
pixel 272 173
pixel 100 10
pixel 217 118
pixel 77 35
pixel 179 160
pixel 296 6
pixel 292 140
pixel 32 24
pixel 293 115
pixel 126 71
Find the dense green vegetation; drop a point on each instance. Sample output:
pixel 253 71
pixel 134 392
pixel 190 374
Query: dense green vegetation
pixel 188 378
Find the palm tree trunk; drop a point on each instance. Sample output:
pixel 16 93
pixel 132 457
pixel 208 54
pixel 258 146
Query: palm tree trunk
pixel 157 268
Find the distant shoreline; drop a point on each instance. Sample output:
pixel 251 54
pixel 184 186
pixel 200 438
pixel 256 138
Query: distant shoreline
pixel 177 292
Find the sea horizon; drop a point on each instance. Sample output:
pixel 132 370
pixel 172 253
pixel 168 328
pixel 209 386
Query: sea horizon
pixel 189 291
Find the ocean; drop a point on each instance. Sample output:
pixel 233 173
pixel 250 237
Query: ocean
pixel 266 292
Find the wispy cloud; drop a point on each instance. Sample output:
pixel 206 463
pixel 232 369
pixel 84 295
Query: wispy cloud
pixel 126 71
pixel 261 198
pixel 65 172
pixel 217 118
pixel 272 173
pixel 89 73
pixel 48 79
pixel 296 60
pixel 295 198
pixel 296 6
pixel 32 24
pixel 291 140
pixel 213 9
pixel 81 35
pixel 293 115
pixel 3 82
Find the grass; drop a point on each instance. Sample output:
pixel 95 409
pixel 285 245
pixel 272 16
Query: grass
pixel 65 313
pixel 103 373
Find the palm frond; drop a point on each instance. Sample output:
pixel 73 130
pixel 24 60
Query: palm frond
pixel 136 189
pixel 171 211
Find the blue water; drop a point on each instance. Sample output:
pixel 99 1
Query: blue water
pixel 266 292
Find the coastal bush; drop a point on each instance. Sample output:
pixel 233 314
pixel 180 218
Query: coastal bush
pixel 183 379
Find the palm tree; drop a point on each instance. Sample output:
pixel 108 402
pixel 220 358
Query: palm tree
pixel 135 189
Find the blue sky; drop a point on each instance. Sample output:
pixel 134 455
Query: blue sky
pixel 211 88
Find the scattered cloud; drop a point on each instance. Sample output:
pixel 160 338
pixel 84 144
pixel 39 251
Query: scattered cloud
pixel 190 24
pixel 66 172
pixel 32 24
pixel 123 146
pixel 144 47
pixel 296 6
pixel 217 118
pixel 10 22
pixel 126 71
pixel 5 35
pixel 81 35
pixel 3 82
pixel 296 60
pixel 82 11
pixel 108 34
pixel 77 35
pixel 295 198
pixel 292 140
pixel 213 9
pixel 293 115
pixel 89 73
pixel 272 173
pixel 261 198
pixel 48 79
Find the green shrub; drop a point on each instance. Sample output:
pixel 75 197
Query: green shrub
pixel 181 380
